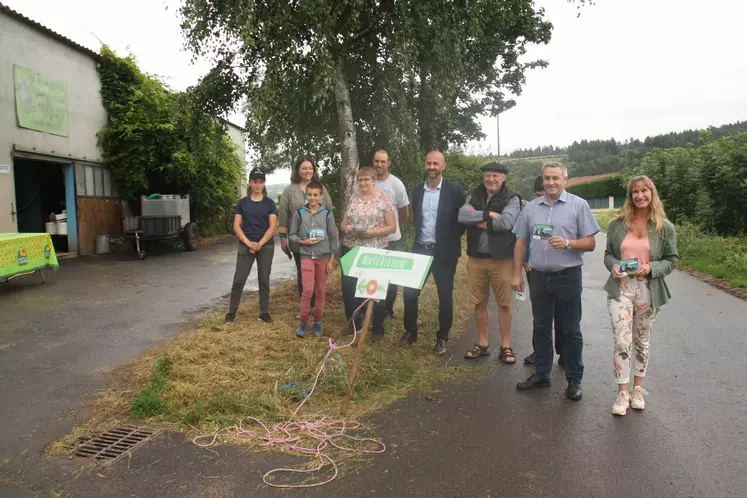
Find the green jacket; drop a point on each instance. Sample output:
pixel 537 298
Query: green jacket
pixel 663 258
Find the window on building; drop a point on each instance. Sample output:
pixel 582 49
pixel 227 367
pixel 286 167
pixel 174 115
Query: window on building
pixel 94 181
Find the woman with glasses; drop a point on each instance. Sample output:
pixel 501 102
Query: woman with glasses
pixel 368 219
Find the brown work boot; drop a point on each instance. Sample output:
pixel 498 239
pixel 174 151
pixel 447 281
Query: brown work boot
pixel 440 348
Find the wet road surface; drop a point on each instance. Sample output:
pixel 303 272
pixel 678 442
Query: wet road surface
pixel 60 339
pixel 477 438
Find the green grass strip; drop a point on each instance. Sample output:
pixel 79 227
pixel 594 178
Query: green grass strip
pixel 149 400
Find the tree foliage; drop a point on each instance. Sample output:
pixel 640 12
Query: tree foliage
pixel 675 174
pixel 723 173
pixel 405 75
pixel 157 141
pixel 705 185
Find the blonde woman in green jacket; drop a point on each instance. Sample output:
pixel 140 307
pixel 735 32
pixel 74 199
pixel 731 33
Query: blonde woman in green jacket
pixel 641 251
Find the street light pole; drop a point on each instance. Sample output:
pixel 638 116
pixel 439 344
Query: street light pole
pixel 498 131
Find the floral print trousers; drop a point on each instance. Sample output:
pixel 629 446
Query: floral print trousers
pixel 632 320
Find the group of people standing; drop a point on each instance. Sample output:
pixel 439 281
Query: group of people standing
pixel 546 238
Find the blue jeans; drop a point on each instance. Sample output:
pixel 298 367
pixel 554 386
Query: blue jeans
pixel 558 294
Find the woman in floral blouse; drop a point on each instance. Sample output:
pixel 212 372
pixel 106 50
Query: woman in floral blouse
pixel 641 251
pixel 368 219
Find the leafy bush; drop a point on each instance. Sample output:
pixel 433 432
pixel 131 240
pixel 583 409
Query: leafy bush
pixel 157 141
pixel 464 169
pixel 723 173
pixel 675 174
pixel 706 185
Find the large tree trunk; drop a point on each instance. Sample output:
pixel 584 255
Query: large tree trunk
pixel 346 129
pixel 426 123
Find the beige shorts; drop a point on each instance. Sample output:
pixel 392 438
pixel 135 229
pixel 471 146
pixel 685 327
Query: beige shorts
pixel 482 273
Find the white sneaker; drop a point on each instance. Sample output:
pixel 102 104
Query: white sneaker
pixel 621 403
pixel 636 399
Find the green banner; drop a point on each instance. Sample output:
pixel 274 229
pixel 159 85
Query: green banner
pixel 25 252
pixel 41 102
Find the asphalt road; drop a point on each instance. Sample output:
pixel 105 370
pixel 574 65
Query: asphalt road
pixel 478 438
pixel 59 340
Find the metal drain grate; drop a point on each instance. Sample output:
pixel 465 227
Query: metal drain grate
pixel 108 447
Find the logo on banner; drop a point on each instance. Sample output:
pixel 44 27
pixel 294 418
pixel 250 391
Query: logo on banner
pixel 48 250
pixel 23 258
pixel 369 288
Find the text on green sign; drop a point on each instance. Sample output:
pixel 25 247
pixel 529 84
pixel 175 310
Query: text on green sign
pixel 382 262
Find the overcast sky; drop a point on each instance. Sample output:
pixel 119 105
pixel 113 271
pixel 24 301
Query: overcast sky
pixel 625 68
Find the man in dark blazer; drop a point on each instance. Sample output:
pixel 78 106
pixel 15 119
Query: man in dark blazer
pixel 438 233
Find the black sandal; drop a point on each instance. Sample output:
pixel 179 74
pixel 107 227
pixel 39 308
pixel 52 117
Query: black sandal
pixel 507 355
pixel 477 351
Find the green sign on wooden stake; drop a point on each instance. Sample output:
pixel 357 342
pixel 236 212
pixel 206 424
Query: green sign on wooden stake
pixel 396 267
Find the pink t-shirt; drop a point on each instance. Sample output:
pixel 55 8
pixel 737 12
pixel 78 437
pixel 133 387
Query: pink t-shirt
pixel 633 247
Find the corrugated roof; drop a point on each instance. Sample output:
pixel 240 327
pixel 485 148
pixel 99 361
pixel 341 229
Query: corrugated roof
pixel 49 32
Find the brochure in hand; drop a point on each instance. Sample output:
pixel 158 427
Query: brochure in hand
pixel 317 234
pixel 628 266
pixel 542 232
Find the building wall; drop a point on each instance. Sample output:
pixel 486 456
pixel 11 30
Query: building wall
pixel 237 135
pixel 25 46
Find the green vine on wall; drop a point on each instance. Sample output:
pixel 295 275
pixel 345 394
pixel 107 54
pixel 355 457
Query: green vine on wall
pixel 156 138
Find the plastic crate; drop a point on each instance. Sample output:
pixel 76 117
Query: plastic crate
pixel 160 226
pixel 166 205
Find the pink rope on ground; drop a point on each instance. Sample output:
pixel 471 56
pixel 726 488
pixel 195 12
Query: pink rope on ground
pixel 286 435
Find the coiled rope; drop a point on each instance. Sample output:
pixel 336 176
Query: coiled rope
pixel 289 435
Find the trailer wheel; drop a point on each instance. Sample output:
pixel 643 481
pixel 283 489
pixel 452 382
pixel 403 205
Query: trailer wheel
pixel 191 236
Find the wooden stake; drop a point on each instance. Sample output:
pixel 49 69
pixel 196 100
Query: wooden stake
pixel 361 341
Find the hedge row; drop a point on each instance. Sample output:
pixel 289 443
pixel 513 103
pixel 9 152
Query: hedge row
pixel 602 187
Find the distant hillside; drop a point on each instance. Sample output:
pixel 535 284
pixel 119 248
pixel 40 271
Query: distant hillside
pixel 597 157
pixel 274 190
pixel 578 151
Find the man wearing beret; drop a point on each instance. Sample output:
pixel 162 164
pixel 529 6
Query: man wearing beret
pixel 489 215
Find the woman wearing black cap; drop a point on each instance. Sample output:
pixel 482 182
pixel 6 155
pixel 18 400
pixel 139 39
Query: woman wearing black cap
pixel 254 223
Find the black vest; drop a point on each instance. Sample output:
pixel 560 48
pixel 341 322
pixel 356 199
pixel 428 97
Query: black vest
pixel 501 243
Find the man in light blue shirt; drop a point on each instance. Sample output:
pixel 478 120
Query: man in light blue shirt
pixel 562 228
pixel 427 233
pixel 539 191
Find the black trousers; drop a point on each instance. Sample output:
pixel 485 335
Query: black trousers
pixel 443 272
pixel 244 262
pixel 391 292
pixel 352 303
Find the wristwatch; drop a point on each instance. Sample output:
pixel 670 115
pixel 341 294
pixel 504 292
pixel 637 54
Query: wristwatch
pixel 567 244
